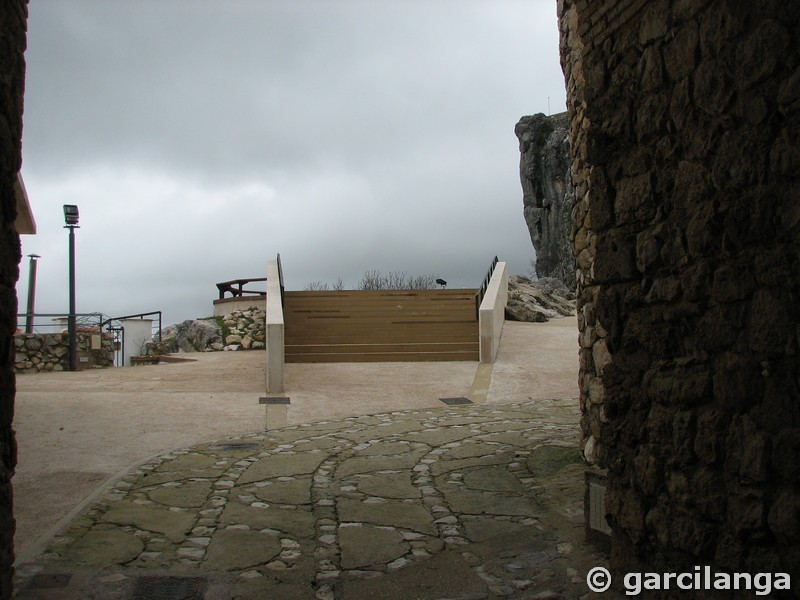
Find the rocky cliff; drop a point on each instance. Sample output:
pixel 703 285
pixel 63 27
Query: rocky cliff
pixel 547 193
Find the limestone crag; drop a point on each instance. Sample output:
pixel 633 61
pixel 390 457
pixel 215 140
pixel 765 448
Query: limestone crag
pixel 547 193
pixel 537 301
pixel 239 330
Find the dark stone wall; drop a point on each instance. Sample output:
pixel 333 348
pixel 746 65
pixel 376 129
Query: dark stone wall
pixel 547 193
pixel 13 19
pixel 684 122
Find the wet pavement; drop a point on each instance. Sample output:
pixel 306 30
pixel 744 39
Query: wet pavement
pixel 465 502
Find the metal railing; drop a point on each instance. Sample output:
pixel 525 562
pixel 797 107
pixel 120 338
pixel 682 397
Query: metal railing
pixel 83 320
pixel 57 322
pixel 114 326
pixel 157 327
pixel 235 288
pixel 280 279
pixel 482 291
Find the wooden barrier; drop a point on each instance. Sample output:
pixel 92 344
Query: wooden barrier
pixel 386 325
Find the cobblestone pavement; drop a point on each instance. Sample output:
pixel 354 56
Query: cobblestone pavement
pixel 462 502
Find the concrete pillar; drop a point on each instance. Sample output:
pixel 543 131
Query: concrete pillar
pixel 274 337
pixel 492 313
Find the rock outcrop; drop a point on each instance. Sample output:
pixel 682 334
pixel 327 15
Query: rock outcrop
pixel 547 193
pixel 239 330
pixel 538 300
pixel 191 336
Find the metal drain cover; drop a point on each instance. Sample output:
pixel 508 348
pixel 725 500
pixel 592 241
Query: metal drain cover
pixel 168 588
pixel 459 400
pixel 49 581
pixel 236 446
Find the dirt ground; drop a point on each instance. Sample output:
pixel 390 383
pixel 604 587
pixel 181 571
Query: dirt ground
pixel 77 430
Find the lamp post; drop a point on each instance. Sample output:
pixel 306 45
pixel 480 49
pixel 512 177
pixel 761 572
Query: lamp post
pixel 31 293
pixel 71 219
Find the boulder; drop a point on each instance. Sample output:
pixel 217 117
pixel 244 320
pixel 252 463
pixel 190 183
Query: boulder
pixel 539 300
pixel 234 338
pixel 191 335
pixel 243 330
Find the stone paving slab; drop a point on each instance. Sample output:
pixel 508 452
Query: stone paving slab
pixel 463 502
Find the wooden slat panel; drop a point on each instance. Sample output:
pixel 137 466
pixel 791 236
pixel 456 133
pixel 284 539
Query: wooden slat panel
pixel 385 325
pixel 406 330
pixel 383 357
pixel 372 348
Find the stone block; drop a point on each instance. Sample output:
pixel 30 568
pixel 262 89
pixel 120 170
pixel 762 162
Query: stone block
pixel 647 251
pixel 695 281
pixel 601 204
pixel 784 516
pixel 760 53
pixel 784 156
pixel 587 337
pixel 746 512
pixel 633 201
pixel 596 391
pixel 615 259
pixel 769 313
pixel 600 356
pixel 33 343
pixel 681 53
pixel 753 450
pixel 718 328
pixel 789 94
pixel 691 534
pixel 654 21
pixel 786 455
pixel 733 281
pixel 683 431
pixel 709 442
pixel 679 384
pixel 709 493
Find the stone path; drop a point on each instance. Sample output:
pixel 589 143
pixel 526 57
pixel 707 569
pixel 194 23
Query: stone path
pixel 463 502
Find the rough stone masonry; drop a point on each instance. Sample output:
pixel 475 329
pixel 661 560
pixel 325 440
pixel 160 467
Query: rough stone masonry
pixel 13 19
pixel 684 126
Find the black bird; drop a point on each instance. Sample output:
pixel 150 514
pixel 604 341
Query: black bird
pixel 441 282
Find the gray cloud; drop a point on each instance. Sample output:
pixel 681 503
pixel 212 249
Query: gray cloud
pixel 201 138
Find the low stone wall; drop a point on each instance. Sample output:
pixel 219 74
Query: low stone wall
pixel 225 306
pixel 37 352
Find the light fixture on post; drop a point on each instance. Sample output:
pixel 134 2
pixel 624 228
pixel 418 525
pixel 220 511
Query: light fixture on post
pixel 31 293
pixel 71 219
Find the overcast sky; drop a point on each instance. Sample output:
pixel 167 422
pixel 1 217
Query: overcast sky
pixel 199 138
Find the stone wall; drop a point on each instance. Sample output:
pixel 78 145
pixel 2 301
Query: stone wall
pixel 547 193
pixel 35 353
pixel 684 128
pixel 13 19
